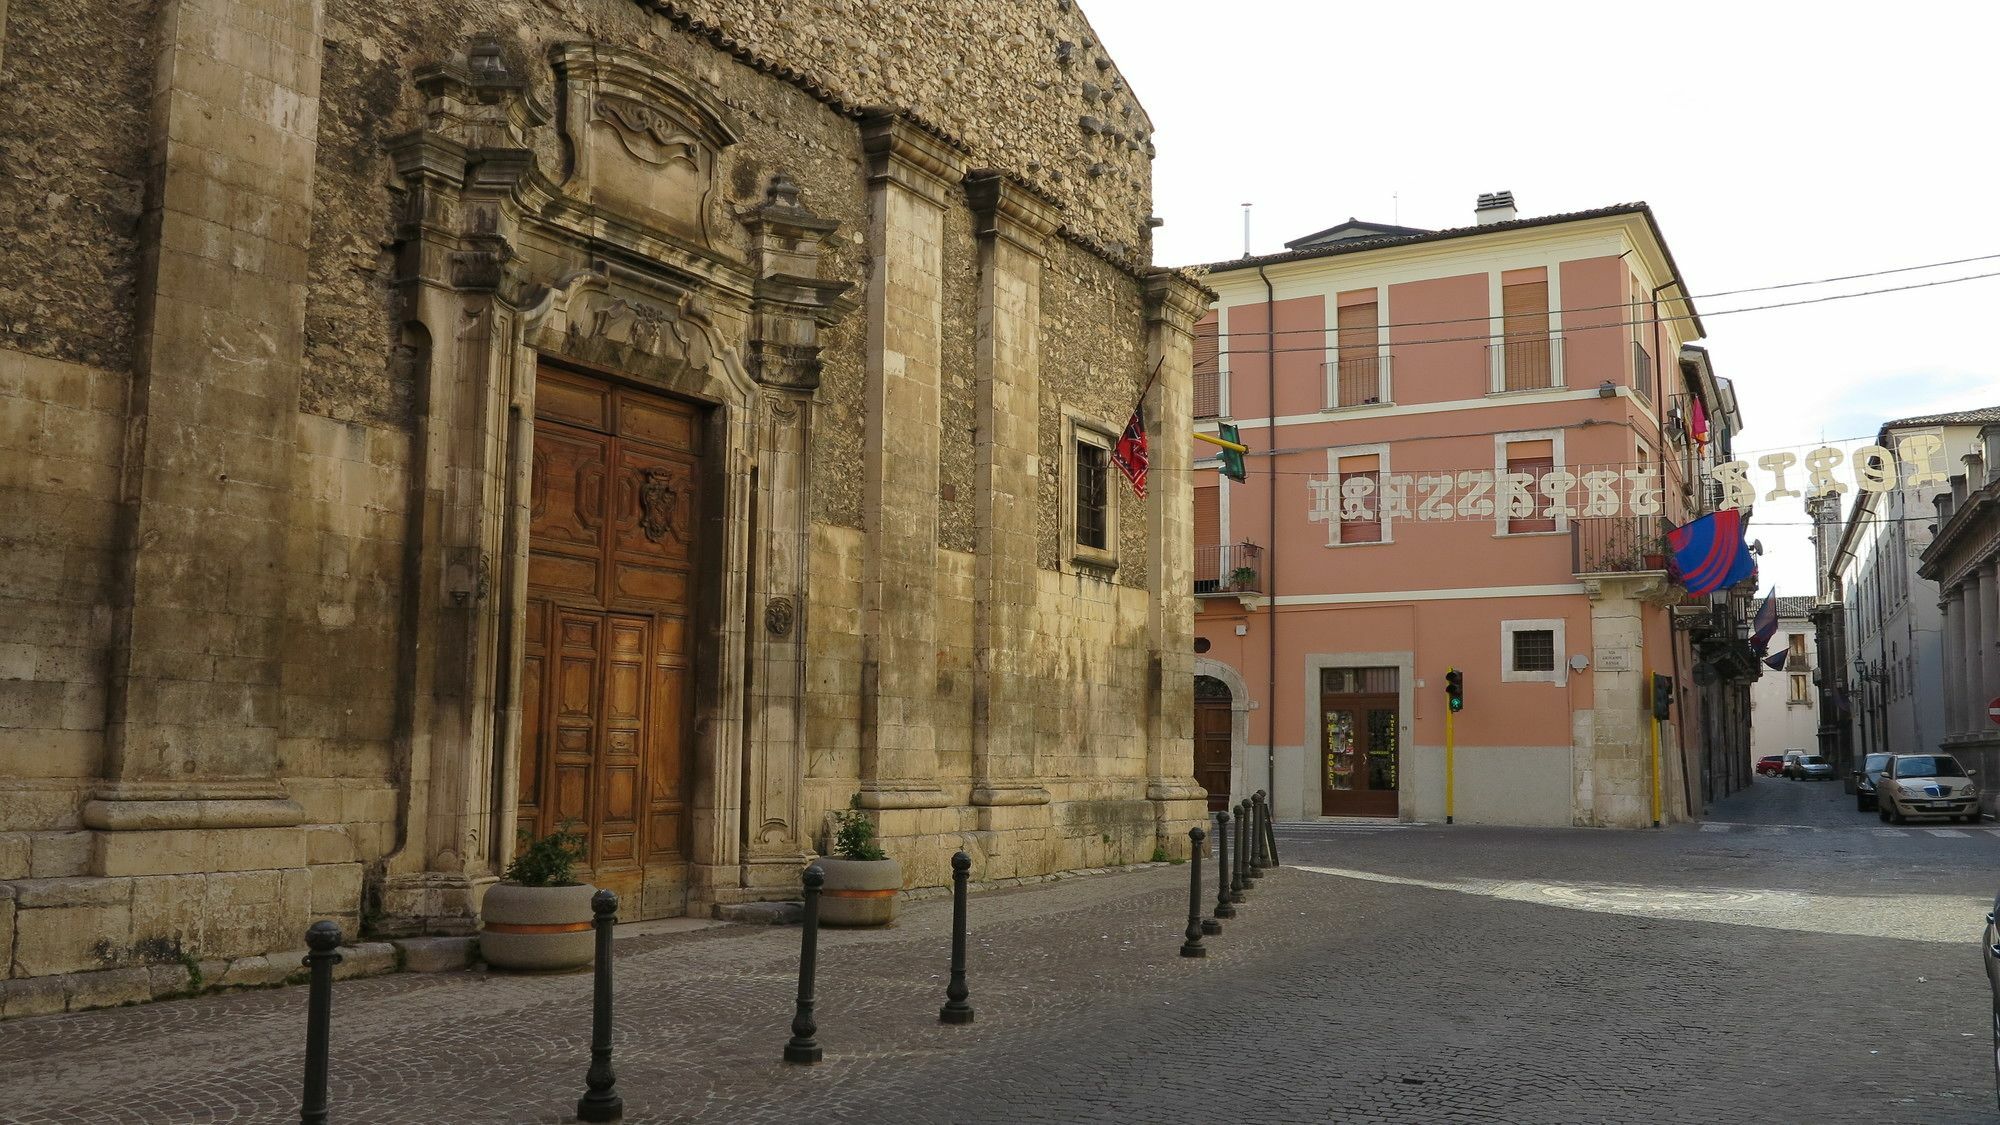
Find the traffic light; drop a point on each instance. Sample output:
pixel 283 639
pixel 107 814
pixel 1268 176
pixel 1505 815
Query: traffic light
pixel 1663 696
pixel 1454 689
pixel 1232 460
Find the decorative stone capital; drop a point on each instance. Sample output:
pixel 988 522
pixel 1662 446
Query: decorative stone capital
pixel 902 152
pixel 790 301
pixel 1176 299
pixel 1010 208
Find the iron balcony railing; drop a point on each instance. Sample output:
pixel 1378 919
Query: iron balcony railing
pixel 1356 380
pixel 1207 393
pixel 1616 545
pixel 1527 363
pixel 1229 568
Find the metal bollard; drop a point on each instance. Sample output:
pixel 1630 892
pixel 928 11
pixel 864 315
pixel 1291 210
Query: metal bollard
pixel 1262 827
pixel 955 1009
pixel 1259 857
pixel 803 1048
pixel 322 939
pixel 1237 883
pixel 601 1102
pixel 1192 946
pixel 1253 859
pixel 1270 831
pixel 1222 908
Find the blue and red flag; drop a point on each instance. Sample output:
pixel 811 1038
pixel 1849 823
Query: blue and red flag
pixel 1776 661
pixel 1709 553
pixel 1765 624
pixel 1130 452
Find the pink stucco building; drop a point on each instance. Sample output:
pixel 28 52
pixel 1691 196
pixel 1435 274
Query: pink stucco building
pixel 1392 384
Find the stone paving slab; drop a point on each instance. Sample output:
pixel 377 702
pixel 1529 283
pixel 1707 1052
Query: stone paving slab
pixel 1393 984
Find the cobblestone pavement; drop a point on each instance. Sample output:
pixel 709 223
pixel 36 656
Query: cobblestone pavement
pixel 1405 974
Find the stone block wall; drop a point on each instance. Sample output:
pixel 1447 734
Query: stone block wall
pixel 212 430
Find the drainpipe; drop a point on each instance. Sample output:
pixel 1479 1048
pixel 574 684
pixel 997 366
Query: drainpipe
pixel 1271 565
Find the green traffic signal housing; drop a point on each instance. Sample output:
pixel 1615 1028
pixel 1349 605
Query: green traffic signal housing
pixel 1232 460
pixel 1454 689
pixel 1663 696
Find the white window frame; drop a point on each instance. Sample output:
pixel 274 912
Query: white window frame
pixel 1496 367
pixel 1500 443
pixel 1330 368
pixel 1378 451
pixel 1554 625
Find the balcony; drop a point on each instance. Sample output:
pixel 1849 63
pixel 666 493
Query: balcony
pixel 1617 545
pixel 1230 569
pixel 1526 363
pixel 1359 380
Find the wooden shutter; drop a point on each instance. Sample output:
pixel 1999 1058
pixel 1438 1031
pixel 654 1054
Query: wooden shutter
pixel 1359 379
pixel 1363 531
pixel 1537 459
pixel 1207 536
pixel 1524 308
pixel 1207 369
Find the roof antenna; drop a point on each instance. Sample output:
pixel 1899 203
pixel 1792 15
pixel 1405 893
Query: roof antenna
pixel 1246 230
pixel 1396 207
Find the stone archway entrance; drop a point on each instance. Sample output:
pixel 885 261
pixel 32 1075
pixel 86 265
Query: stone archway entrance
pixel 609 628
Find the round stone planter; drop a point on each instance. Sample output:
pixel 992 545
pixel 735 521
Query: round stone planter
pixel 859 892
pixel 537 929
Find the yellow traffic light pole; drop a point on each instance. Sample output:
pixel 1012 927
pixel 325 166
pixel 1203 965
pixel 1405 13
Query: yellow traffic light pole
pixel 1656 749
pixel 1213 440
pixel 1450 740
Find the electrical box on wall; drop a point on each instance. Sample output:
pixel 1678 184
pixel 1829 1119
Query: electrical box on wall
pixel 1242 630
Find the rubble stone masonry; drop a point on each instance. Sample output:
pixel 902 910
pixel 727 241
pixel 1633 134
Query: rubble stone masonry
pixel 280 278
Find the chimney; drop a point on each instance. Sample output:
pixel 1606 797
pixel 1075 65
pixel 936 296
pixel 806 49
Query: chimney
pixel 1494 207
pixel 1975 469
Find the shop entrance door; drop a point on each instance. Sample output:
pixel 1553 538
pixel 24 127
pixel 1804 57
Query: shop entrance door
pixel 1360 751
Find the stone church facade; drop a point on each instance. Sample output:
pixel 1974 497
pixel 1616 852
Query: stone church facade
pixel 423 426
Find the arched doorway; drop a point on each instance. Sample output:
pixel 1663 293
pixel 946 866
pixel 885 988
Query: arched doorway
pixel 1214 728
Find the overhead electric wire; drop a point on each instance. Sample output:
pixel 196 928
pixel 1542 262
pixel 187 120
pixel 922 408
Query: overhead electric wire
pixel 1630 304
pixel 1567 331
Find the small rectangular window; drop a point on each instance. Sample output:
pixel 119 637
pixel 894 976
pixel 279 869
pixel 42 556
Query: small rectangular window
pixel 1093 486
pixel 1798 644
pixel 1799 689
pixel 1524 307
pixel 1534 650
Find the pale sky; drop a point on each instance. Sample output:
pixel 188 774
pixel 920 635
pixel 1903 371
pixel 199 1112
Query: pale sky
pixel 1775 142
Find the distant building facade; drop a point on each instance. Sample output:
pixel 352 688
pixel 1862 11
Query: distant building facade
pixel 1964 561
pixel 1784 703
pixel 1898 660
pixel 1533 347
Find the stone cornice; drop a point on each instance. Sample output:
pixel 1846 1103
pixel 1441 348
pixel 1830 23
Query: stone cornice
pixel 901 151
pixel 1003 205
pixel 1957 549
pixel 1175 298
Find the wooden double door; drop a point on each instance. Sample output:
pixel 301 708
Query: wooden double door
pixel 607 667
pixel 1360 756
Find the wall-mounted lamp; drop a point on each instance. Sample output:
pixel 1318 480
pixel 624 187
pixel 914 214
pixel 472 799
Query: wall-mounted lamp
pixel 1606 390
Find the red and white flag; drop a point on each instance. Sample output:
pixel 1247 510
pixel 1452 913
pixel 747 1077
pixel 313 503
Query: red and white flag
pixel 1130 453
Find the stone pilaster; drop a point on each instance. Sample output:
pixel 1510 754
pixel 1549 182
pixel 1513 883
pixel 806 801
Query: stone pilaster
pixel 1173 303
pixel 911 174
pixel 790 306
pixel 1952 656
pixel 1989 614
pixel 1013 225
pixel 1978 595
pixel 459 296
pixel 197 654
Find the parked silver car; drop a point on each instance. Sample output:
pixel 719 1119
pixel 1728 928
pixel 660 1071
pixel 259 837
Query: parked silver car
pixel 1926 785
pixel 1813 767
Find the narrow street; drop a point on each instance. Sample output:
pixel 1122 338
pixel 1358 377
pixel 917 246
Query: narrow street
pixel 1791 960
